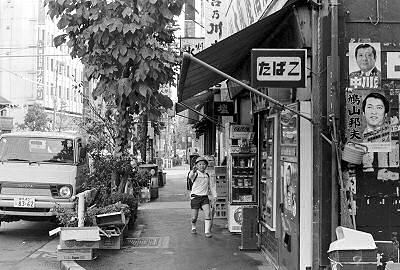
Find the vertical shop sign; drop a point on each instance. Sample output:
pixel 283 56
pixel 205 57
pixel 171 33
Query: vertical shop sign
pixel 215 28
pixel 40 70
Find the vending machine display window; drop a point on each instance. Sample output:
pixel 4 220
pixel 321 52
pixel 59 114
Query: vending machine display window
pixel 268 177
pixel 243 181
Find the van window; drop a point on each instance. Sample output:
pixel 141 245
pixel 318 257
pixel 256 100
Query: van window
pixel 36 149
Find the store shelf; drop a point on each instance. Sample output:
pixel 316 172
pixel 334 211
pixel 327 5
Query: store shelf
pixel 243 187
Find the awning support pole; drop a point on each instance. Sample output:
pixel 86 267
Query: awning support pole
pixel 251 89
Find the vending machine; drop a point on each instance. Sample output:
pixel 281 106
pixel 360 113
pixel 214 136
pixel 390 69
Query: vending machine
pixel 241 173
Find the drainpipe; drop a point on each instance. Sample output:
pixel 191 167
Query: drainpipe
pixel 335 89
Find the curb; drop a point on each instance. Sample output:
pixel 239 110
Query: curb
pixel 70 265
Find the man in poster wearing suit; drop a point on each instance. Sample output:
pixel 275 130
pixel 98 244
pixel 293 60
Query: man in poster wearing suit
pixel 366 57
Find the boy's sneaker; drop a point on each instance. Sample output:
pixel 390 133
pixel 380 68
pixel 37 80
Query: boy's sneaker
pixel 194 231
pixel 208 235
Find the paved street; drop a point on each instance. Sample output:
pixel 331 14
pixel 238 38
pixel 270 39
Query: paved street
pixel 27 245
pixel 164 224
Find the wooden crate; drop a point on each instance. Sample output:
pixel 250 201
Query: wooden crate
pixel 220 208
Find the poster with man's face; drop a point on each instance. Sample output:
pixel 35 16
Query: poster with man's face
pixel 364 65
pixel 372 113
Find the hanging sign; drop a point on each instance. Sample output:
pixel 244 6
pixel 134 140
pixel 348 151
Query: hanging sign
pixel 283 68
pixel 224 108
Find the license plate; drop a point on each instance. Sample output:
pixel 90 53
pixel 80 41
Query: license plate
pixel 26 202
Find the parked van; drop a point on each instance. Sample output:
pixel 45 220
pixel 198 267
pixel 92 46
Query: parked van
pixel 39 170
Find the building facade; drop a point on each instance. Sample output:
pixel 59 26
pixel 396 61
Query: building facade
pixel 32 69
pixel 307 186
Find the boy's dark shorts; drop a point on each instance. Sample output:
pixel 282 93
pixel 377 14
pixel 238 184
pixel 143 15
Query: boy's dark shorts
pixel 197 202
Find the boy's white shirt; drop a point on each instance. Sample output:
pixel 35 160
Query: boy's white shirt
pixel 203 184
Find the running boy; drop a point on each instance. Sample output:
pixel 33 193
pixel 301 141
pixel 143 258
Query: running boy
pixel 202 184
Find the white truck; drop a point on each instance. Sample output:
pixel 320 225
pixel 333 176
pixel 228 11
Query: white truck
pixel 39 170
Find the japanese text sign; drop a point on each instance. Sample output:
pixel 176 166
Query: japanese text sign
pixel 215 26
pixel 283 68
pixel 225 108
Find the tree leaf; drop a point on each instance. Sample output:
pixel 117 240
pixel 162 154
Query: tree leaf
pixel 166 12
pixel 144 89
pixel 123 59
pixel 115 53
pixel 164 100
pixel 58 40
pixel 127 12
pixel 63 22
pixel 122 50
pixel 105 39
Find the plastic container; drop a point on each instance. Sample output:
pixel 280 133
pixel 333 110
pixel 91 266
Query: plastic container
pixel 354 152
pixel 353 250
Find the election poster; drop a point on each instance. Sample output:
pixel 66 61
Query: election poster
pixel 372 113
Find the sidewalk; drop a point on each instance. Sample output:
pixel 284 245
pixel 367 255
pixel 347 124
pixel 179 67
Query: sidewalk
pixel 162 239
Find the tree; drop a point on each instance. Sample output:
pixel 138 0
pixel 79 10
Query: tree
pixel 124 46
pixel 36 118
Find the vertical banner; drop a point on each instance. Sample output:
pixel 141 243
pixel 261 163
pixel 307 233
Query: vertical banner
pixel 372 113
pixel 40 70
pixel 214 16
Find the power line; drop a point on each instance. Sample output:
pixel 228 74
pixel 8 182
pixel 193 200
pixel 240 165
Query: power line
pixel 21 77
pixel 33 55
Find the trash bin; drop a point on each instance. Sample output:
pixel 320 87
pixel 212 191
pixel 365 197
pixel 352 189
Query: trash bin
pixel 160 178
pixel 164 178
pixel 352 250
pixel 153 170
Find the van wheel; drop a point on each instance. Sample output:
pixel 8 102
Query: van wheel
pixel 128 188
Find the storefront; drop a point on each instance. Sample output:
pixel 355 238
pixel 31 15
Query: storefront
pixel 283 138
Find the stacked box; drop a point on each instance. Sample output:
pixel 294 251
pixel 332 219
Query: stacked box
pixel 221 181
pixel 77 243
pixel 220 208
pixel 112 242
pixel 83 254
pixel 113 237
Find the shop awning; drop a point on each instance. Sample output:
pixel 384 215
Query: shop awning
pixel 195 102
pixel 228 54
